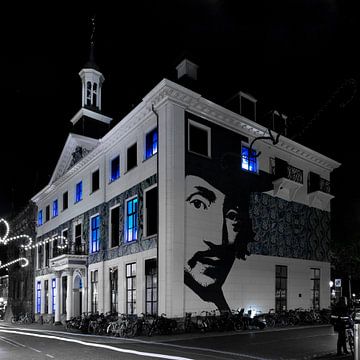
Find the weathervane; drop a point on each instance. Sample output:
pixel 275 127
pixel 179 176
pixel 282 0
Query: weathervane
pixel 92 37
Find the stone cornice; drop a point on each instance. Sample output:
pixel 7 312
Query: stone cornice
pixel 193 102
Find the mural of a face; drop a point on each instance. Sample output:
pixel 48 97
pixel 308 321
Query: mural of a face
pixel 212 237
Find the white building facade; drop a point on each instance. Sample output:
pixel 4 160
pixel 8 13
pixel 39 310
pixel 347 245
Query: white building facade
pixel 173 211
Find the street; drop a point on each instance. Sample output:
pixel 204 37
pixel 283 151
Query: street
pixel 28 342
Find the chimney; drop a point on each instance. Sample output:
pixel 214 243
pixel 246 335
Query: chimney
pixel 187 69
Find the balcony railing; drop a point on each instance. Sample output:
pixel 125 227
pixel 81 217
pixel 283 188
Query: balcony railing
pixel 77 249
pixel 317 183
pixel 283 170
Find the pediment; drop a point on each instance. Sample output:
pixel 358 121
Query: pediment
pixel 76 148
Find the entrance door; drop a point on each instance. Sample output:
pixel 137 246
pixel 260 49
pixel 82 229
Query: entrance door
pixel 77 295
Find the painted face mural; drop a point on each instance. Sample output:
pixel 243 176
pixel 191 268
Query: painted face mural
pixel 213 239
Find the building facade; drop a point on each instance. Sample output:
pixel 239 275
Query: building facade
pixel 178 208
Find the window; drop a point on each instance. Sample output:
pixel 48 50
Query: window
pixel 115 226
pixel 151 287
pixel 47 254
pixel 88 93
pixel 40 257
pixel 113 290
pixel 94 291
pixel 53 292
pixel 315 291
pixel 151 215
pixel 131 288
pixel 55 208
pixel 115 168
pixel 65 200
pixel 46 289
pixel 248 161
pixel 131 157
pixel 64 293
pixel 131 219
pixel 95 234
pixel 199 139
pixel 38 297
pixel 78 192
pixel 151 143
pixel 78 240
pixel 95 181
pixel 40 218
pixel 47 213
pixel 280 288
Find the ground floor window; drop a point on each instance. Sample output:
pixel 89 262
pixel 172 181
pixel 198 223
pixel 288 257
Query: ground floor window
pixel 280 288
pixel 94 291
pixel 53 283
pixel 38 297
pixel 113 290
pixel 315 291
pixel 131 288
pixel 64 293
pixel 151 286
pixel 46 289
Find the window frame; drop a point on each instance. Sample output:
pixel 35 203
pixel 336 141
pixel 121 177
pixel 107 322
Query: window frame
pixel 281 299
pixel 250 160
pixel 55 208
pixel 114 178
pixel 127 156
pixel 151 149
pixel 96 240
pixel 92 180
pixel 94 290
pixel 67 200
pixel 53 295
pixel 38 297
pixel 145 207
pixel 111 246
pixel 192 123
pixel 40 218
pixel 130 290
pixel 127 215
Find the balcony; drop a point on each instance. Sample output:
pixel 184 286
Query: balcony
pixel 288 180
pixel 319 192
pixel 69 257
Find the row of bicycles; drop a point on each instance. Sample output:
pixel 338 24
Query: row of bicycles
pixel 124 325
pixel 23 318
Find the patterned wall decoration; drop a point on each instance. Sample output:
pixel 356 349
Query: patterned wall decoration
pixel 288 229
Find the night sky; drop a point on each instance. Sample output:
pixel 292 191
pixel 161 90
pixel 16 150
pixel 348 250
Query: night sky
pixel 300 57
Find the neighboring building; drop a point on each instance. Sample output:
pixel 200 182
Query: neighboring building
pixel 21 279
pixel 162 213
pixel 4 290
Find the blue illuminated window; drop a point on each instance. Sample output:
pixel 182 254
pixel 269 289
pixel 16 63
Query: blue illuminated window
pixel 95 234
pixel 40 218
pixel 115 168
pixel 53 294
pixel 248 161
pixel 151 143
pixel 38 297
pixel 55 208
pixel 78 192
pixel 132 219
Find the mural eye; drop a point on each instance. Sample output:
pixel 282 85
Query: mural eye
pixel 232 215
pixel 198 204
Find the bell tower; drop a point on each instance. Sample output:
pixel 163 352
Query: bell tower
pixel 89 120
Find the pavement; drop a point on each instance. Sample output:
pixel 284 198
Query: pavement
pixel 175 337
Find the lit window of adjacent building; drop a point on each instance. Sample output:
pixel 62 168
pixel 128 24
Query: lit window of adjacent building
pixel 315 291
pixel 199 139
pixel 38 297
pixel 151 286
pixel 151 211
pixel 95 181
pixel 53 294
pixel 65 200
pixel 95 234
pixel 55 209
pixel 280 288
pixel 248 160
pixel 131 288
pixel 151 143
pixel 113 290
pixel 78 192
pixel 131 157
pixel 94 291
pixel 115 226
pixel 131 219
pixel 115 168
pixel 47 213
pixel 40 218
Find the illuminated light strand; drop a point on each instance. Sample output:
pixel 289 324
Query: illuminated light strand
pixel 50 240
pixel 5 239
pixel 24 260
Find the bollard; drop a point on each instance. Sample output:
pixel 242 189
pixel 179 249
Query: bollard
pixel 356 341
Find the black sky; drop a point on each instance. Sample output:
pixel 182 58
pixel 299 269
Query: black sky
pixel 291 55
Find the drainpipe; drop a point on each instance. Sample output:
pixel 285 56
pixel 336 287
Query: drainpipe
pixel 158 204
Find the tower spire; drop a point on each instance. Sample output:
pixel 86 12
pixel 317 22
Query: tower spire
pixel 91 64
